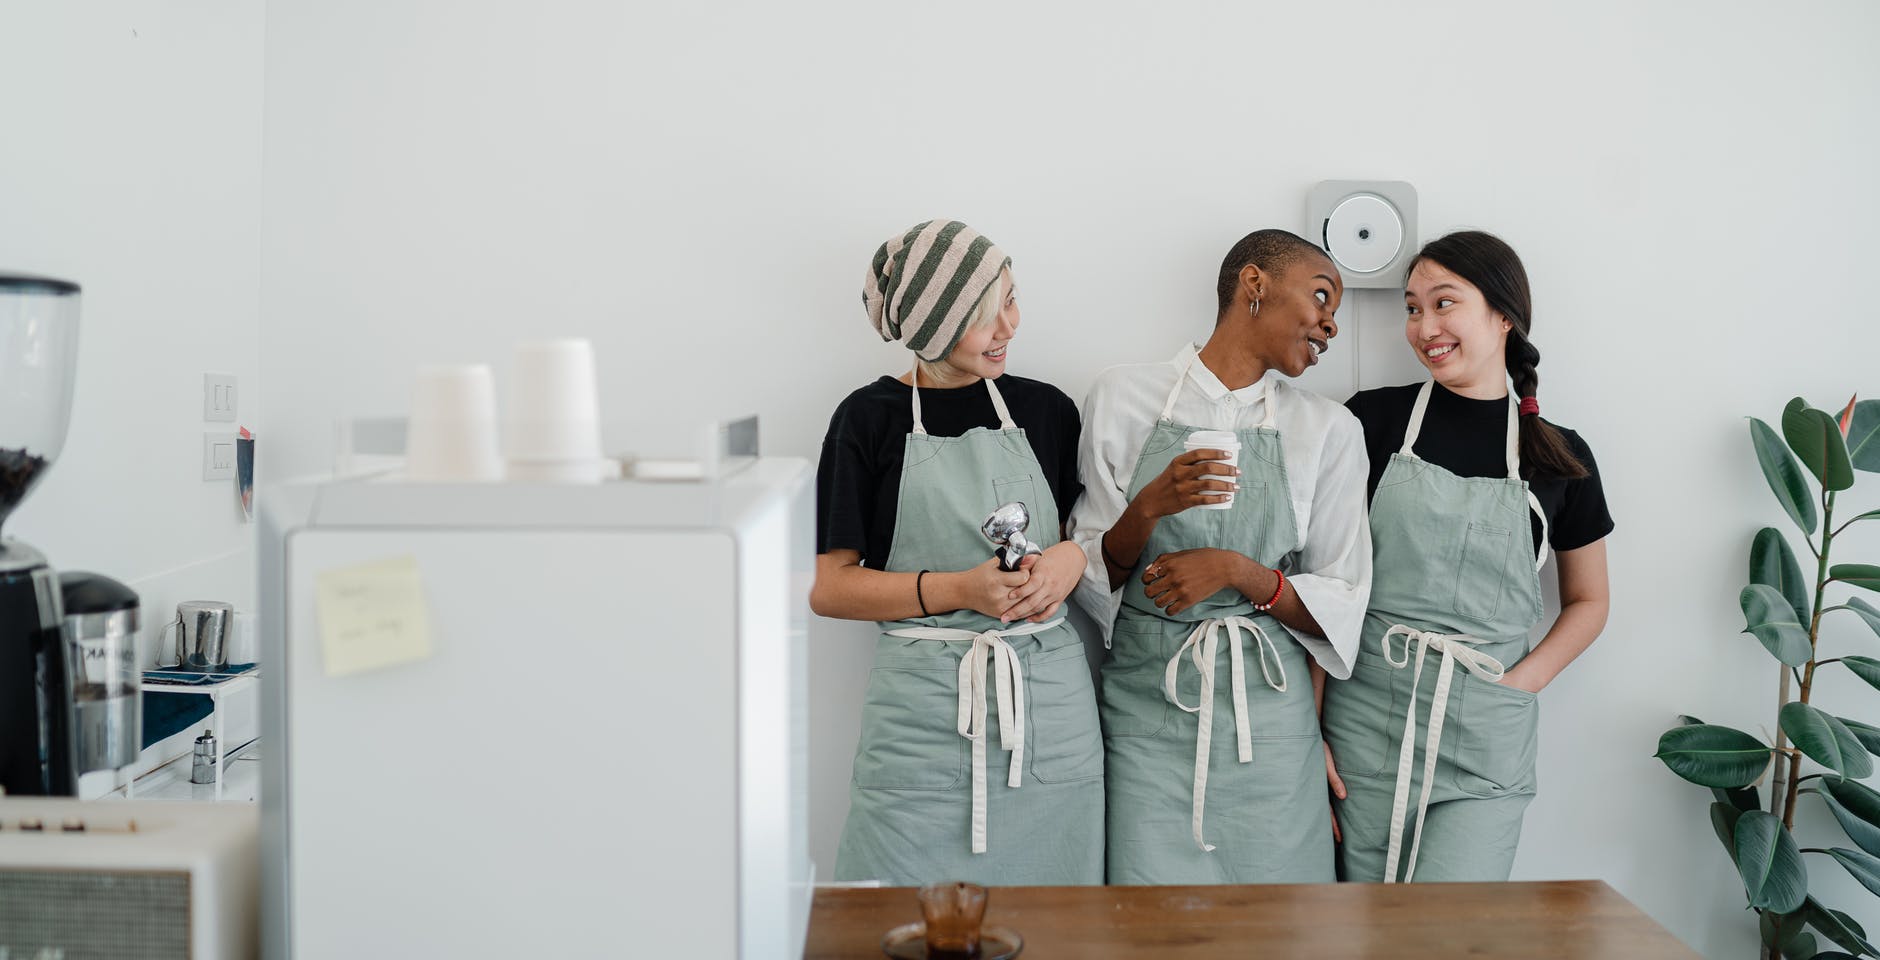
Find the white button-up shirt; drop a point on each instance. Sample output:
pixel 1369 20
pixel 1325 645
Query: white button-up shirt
pixel 1326 466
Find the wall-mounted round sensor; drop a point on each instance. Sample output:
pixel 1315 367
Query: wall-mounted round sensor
pixel 1364 233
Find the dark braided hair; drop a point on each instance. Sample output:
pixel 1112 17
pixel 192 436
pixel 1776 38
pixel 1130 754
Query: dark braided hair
pixel 1492 266
pixel 1270 250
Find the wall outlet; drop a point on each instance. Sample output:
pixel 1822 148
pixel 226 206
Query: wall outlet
pixel 218 397
pixel 218 456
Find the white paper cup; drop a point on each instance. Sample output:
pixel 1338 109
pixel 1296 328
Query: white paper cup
pixel 451 436
pixel 1223 440
pixel 554 408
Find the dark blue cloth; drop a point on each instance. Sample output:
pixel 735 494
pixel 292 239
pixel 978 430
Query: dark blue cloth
pixel 167 714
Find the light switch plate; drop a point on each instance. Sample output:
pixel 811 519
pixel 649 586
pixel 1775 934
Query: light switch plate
pixel 218 456
pixel 218 397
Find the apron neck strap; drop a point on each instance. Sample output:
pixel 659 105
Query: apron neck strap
pixel 1422 406
pixel 998 404
pixel 1416 419
pixel 1265 397
pixel 1181 376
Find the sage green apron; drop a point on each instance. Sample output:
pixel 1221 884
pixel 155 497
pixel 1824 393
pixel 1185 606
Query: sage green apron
pixel 1456 582
pixel 1185 806
pixel 923 805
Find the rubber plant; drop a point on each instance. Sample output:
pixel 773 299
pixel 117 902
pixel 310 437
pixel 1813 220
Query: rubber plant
pixel 1808 464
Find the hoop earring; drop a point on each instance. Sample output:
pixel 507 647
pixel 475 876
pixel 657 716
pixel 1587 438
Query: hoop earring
pixel 1256 307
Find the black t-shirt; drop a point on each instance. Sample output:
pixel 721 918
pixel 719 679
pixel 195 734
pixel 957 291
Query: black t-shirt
pixel 858 482
pixel 1469 439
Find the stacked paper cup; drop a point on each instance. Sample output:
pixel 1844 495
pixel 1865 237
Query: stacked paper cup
pixel 1226 441
pixel 553 432
pixel 452 433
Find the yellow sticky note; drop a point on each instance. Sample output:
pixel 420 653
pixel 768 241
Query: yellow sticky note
pixel 372 616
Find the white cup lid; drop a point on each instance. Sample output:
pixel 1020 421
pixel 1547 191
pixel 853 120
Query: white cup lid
pixel 1212 440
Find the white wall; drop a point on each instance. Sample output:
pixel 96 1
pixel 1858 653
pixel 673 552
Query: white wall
pixel 130 162
pixel 698 188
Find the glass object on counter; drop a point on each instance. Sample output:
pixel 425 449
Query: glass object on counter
pixel 101 624
pixel 38 360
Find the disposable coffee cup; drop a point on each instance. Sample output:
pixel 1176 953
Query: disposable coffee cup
pixel 1226 441
pixel 451 436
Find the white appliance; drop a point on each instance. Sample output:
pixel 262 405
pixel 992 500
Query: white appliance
pixel 603 752
pixel 148 879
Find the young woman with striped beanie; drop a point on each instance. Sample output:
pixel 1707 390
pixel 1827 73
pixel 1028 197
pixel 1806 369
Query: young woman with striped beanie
pixel 980 757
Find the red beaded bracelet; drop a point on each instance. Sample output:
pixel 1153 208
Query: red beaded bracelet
pixel 1278 589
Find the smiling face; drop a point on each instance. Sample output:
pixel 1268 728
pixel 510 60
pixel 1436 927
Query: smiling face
pixel 981 350
pixel 1295 325
pixel 1453 330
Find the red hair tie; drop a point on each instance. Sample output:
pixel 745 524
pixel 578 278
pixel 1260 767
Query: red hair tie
pixel 1530 407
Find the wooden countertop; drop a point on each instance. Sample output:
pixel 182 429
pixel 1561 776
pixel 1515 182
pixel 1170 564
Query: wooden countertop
pixel 1554 919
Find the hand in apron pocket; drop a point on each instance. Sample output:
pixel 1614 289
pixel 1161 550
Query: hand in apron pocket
pixel 1496 747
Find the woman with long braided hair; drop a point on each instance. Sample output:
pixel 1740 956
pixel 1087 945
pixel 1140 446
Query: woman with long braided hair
pixel 1434 736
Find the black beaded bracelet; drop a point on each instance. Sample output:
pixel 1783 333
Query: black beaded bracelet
pixel 918 596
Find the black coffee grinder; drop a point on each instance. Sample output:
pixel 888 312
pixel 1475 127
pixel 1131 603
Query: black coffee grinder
pixel 38 361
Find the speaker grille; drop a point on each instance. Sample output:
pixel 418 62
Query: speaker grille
pixel 94 916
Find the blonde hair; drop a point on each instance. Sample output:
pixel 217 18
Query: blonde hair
pixel 985 313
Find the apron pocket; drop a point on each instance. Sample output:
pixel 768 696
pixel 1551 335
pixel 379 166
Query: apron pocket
pixel 909 739
pixel 1272 715
pixel 1496 745
pixel 1131 697
pixel 1479 574
pixel 1360 717
pixel 1018 489
pixel 1061 716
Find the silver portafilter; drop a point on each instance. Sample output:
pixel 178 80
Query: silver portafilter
pixel 1006 527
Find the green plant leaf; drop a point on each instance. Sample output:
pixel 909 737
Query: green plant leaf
pixel 1740 798
pixel 1769 618
pixel 1857 808
pixel 1784 476
pixel 1866 668
pixel 1865 867
pixel 1838 927
pixel 1867 612
pixel 1723 818
pixel 1772 564
pixel 1863 438
pixel 1825 740
pixel 1867 734
pixel 1713 756
pixel 1800 946
pixel 1817 442
pixel 1859 574
pixel 1869 515
pixel 1771 864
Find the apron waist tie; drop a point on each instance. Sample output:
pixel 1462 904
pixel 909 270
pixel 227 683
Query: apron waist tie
pixel 1455 648
pixel 1009 680
pixel 1202 645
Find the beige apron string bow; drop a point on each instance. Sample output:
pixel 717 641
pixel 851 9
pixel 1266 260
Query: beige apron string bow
pixel 1009 684
pixel 1454 649
pixel 1202 645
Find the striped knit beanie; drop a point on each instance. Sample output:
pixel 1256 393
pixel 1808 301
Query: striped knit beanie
pixel 923 285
